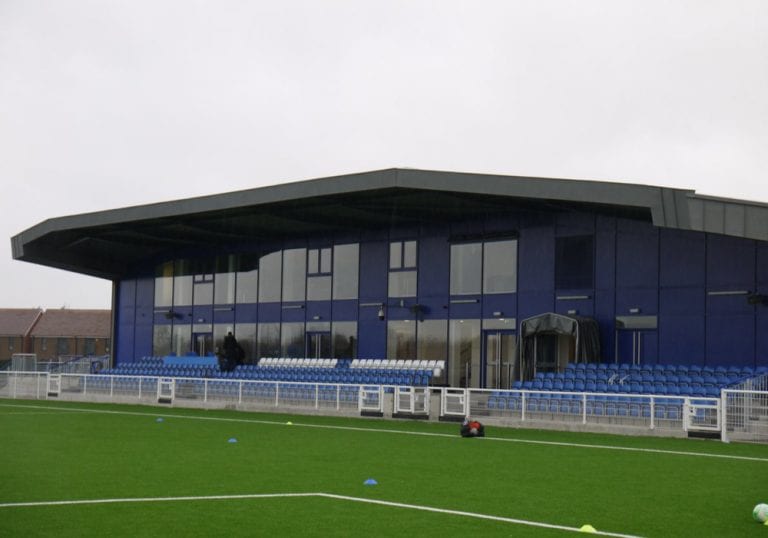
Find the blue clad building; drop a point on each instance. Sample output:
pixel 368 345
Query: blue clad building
pixel 425 265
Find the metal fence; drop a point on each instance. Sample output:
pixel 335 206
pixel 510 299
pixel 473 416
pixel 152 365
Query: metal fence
pixel 745 416
pixel 740 415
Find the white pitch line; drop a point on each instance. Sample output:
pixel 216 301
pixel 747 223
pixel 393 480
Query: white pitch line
pixel 322 495
pixel 404 432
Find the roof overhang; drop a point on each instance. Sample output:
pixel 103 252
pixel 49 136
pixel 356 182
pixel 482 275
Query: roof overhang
pixel 114 243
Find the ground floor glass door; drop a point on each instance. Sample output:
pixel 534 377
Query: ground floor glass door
pixel 318 345
pixel 203 343
pixel 499 348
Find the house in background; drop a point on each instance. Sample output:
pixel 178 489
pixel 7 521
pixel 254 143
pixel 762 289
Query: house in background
pixel 16 324
pixel 53 334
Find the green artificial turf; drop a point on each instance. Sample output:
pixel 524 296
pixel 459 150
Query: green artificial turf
pixel 55 451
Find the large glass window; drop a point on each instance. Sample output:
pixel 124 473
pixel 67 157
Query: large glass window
pixel 466 268
pixel 269 340
pixel 294 274
pixel 402 269
pixel 164 285
pixel 345 271
pixel 182 283
pixel 161 340
pixel 489 267
pixel 248 278
pixel 344 335
pixel 319 274
pixel 224 280
pixel 500 266
pixel 401 340
pixel 203 289
pixel 270 269
pixel 182 339
pixel 432 340
pixel 464 353
pixel 574 262
pixel 292 340
pixel 246 337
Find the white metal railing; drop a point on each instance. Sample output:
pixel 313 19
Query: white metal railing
pixel 611 411
pixel 745 416
pixel 739 415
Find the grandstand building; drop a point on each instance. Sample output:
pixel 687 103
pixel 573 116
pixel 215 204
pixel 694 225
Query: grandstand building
pixel 501 277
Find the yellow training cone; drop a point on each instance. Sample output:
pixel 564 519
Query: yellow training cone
pixel 766 523
pixel 289 423
pixel 587 528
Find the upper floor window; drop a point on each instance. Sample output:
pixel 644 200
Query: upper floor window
pixel 402 268
pixel 319 274
pixel 484 267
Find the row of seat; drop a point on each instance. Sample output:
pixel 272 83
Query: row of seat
pixel 298 363
pixel 692 369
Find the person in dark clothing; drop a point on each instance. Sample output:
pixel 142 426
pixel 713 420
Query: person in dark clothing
pixel 232 353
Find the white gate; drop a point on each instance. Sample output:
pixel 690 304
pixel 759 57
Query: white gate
pixel 701 415
pixel 166 388
pixel 371 399
pixel 53 387
pixel 412 400
pixel 454 403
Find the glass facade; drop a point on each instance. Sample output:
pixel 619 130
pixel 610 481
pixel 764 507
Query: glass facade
pixel 346 271
pixel 464 349
pixel 401 340
pixel 327 273
pixel 224 280
pixel 292 340
pixel 466 268
pixel 500 266
pixel 164 285
pixel 270 272
pixel 268 340
pixel 344 337
pixel 402 269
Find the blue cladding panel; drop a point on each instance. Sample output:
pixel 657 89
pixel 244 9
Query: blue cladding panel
pixel 730 340
pixel 145 297
pixel 434 266
pixel 583 307
pixel 223 316
pixel 682 258
pixel 534 303
pixel 536 255
pixel 125 322
pixel 293 314
pixel 502 302
pixel 605 259
pixel 604 313
pixel 681 301
pixel 730 305
pixel 644 299
pixel 682 339
pixel 204 313
pixel 345 310
pixel 730 263
pixel 466 311
pixel 434 307
pixel 374 266
pixel 372 336
pixel 637 256
pixel 319 308
pixel 762 267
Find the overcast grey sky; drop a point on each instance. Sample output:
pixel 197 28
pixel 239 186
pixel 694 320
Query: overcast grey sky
pixel 106 104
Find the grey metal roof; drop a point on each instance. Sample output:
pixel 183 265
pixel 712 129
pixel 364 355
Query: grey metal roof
pixel 113 243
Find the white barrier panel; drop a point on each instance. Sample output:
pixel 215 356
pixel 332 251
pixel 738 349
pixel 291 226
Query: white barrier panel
pixel 454 403
pixel 745 416
pixel 412 401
